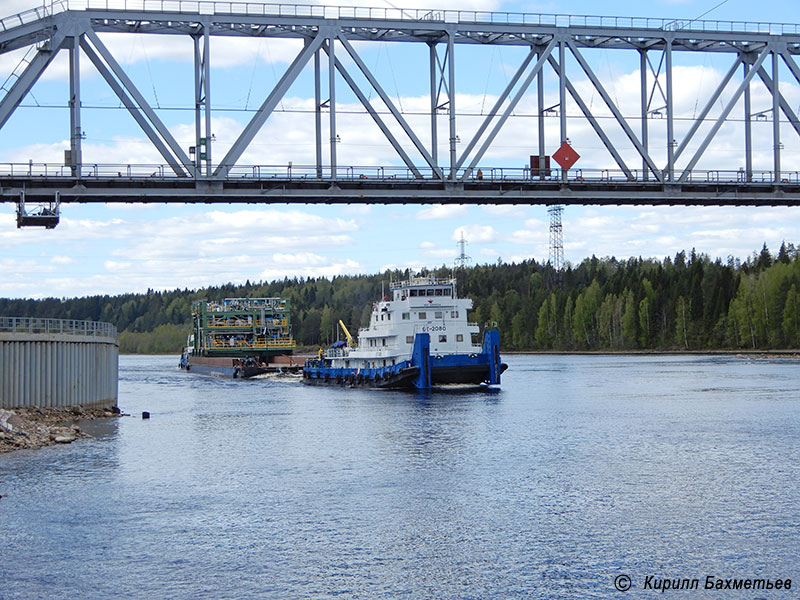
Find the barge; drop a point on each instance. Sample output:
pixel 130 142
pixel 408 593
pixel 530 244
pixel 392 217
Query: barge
pixel 240 338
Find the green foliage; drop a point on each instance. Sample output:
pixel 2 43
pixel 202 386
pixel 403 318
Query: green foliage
pixel 686 302
pixel 164 339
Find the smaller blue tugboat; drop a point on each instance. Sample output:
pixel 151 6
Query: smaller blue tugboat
pixel 417 339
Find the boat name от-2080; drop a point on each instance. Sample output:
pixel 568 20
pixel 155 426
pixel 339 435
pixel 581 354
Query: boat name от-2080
pixel 418 337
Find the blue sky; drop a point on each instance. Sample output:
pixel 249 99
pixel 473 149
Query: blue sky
pixel 99 249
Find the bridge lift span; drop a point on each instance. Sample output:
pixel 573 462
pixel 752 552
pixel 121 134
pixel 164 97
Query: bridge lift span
pixel 665 168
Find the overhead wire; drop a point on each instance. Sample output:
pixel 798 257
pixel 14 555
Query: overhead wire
pixel 253 74
pixel 417 113
pixel 150 73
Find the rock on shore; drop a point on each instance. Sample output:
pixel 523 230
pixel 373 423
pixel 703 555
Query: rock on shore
pixel 37 427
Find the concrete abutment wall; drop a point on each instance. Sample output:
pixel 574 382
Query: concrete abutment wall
pixel 49 362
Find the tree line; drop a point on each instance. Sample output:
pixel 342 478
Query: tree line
pixel 685 302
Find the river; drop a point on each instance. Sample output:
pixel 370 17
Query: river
pixel 579 471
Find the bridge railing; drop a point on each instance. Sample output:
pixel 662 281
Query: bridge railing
pixel 227 7
pixel 57 326
pixel 382 174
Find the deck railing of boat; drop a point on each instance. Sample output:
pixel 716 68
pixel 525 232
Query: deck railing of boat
pixel 393 285
pixel 379 352
pixel 221 344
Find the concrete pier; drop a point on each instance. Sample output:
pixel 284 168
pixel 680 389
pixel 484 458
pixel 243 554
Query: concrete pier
pixel 57 362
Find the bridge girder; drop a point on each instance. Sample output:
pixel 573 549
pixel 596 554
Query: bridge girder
pixel 551 40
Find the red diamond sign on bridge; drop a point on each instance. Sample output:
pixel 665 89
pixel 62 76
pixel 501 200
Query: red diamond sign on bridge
pixel 566 156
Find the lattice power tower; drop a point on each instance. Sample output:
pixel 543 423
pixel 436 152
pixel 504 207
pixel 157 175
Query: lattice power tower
pixel 556 238
pixel 462 260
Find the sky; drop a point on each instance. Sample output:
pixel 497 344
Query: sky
pixel 119 248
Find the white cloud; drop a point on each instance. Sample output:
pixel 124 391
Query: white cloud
pixel 475 234
pixel 442 211
pixel 505 210
pixel 117 266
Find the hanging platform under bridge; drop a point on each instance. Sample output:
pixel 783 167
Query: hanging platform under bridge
pixel 642 150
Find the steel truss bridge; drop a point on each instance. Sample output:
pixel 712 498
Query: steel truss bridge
pixel 760 54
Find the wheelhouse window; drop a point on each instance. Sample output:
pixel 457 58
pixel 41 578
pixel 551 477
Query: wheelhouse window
pixel 406 316
pixel 438 314
pixel 412 293
pixel 423 316
pixel 430 292
pixel 409 339
pixel 459 337
pixel 442 338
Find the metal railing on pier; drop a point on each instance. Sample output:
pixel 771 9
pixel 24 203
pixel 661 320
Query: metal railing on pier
pixel 57 326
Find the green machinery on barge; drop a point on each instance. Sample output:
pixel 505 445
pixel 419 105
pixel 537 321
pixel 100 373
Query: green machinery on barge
pixel 238 337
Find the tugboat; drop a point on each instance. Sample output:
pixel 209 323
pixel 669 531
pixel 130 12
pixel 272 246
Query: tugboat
pixel 239 337
pixel 417 338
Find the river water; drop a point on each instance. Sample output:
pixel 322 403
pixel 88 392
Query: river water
pixel 581 469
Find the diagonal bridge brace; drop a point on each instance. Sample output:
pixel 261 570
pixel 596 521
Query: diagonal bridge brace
pixel 543 56
pixel 136 104
pixel 593 122
pixel 707 108
pixel 30 76
pixel 785 107
pixel 265 110
pixel 375 116
pixel 390 105
pixel 497 105
pixel 615 110
pixel 725 112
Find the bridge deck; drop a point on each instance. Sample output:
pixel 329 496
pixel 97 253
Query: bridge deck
pixel 157 183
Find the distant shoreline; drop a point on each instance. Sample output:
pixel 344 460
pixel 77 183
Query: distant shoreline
pixel 739 353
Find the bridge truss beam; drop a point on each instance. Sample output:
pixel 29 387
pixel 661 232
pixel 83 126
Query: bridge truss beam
pixel 554 43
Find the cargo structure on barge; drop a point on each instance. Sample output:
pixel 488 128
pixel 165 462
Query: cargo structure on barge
pixel 239 337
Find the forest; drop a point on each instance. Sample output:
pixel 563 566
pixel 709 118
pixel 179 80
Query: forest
pixel 685 302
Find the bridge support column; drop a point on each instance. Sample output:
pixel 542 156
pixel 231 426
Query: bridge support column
pixel 748 124
pixel 540 110
pixel 645 129
pixel 76 132
pixel 776 117
pixel 670 115
pixel 562 96
pixel 451 102
pixel 318 114
pixel 202 101
pixel 434 69
pixel 332 100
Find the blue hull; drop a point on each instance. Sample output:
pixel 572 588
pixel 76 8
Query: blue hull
pixel 423 371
